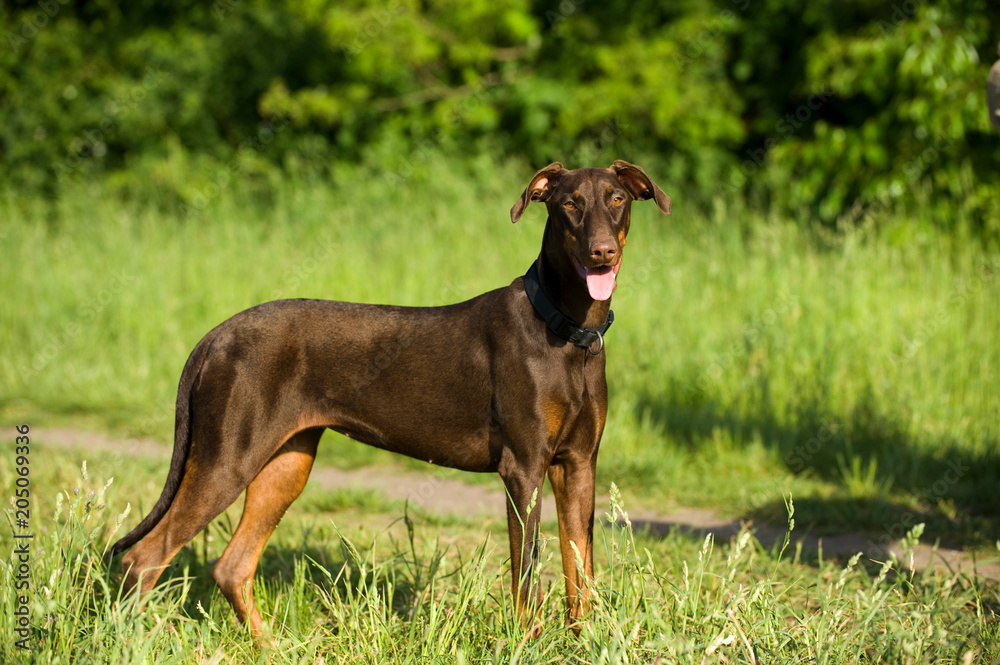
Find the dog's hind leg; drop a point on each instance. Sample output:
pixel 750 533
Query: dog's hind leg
pixel 217 471
pixel 204 493
pixel 270 494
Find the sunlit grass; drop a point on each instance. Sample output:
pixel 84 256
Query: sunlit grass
pixel 332 590
pixel 749 357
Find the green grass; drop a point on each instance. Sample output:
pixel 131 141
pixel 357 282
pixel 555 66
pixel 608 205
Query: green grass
pixel 358 584
pixel 749 357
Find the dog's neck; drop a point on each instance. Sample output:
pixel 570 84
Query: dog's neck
pixel 564 286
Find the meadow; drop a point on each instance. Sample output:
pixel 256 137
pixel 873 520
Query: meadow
pixel 754 357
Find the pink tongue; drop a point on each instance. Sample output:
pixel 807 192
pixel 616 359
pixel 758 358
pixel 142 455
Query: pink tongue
pixel 600 282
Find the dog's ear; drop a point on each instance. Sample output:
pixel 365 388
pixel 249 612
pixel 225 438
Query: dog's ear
pixel 640 185
pixel 539 188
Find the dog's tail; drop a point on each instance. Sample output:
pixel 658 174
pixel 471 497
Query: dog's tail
pixel 182 446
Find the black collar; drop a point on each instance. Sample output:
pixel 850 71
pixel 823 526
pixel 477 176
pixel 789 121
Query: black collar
pixel 559 323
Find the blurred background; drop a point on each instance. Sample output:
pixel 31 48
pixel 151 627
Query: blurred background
pixel 810 107
pixel 819 315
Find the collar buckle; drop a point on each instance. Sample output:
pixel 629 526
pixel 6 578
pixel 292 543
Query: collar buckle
pixel 600 346
pixel 560 324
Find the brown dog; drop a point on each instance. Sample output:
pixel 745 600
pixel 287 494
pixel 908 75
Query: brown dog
pixel 511 381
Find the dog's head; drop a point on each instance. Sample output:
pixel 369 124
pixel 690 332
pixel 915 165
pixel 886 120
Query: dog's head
pixel 591 210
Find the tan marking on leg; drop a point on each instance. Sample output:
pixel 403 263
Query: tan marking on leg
pixel 270 494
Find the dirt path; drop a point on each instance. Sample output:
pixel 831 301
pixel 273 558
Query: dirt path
pixel 442 495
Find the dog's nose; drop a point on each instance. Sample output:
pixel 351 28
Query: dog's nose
pixel 603 251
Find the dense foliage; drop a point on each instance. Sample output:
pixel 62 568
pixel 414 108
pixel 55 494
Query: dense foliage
pixel 817 107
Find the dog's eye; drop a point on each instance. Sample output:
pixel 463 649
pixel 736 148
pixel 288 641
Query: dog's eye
pixel 618 200
pixel 569 205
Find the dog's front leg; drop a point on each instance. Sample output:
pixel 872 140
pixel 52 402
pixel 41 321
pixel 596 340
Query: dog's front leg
pixel 523 483
pixel 572 481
